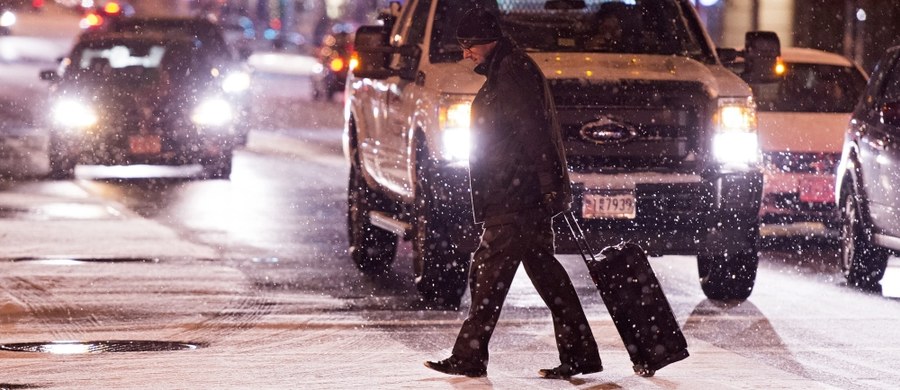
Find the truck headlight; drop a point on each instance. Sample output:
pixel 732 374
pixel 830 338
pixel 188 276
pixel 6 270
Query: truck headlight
pixel 455 117
pixel 735 142
pixel 236 82
pixel 213 112
pixel 73 114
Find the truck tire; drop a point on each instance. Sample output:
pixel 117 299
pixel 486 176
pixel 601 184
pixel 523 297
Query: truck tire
pixel 371 248
pixel 862 263
pixel 728 277
pixel 441 270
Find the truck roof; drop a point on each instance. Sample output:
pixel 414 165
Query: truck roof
pixel 813 56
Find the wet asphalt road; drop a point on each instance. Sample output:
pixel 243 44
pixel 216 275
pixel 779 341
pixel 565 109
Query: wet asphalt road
pixel 253 273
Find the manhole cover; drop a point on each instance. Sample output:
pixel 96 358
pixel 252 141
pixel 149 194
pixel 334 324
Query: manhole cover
pixel 84 347
pixel 11 386
pixel 74 260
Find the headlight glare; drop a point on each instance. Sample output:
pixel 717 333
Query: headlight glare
pixel 8 19
pixel 456 144
pixel 455 118
pixel 736 142
pixel 213 112
pixel 73 114
pixel 736 148
pixel 236 82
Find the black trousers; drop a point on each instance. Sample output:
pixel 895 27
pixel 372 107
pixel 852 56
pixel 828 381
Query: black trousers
pixel 496 260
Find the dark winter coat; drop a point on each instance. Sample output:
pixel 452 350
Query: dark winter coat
pixel 517 162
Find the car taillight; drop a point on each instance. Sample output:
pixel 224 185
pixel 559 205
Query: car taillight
pixel 91 20
pixel 337 64
pixel 37 3
pixel 112 8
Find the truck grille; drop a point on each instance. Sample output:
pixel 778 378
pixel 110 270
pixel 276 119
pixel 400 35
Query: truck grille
pixel 632 124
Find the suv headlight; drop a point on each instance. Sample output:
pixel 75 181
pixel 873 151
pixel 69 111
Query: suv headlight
pixel 236 82
pixel 212 112
pixel 70 113
pixel 7 19
pixel 735 140
pixel 454 117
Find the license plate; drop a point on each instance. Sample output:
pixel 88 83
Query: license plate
pixel 817 190
pixel 144 144
pixel 612 205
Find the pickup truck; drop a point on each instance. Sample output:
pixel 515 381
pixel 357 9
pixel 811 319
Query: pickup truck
pixel 660 138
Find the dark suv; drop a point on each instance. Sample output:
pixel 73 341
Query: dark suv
pixel 138 99
pixel 867 177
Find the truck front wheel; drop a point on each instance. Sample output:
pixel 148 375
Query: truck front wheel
pixel 371 248
pixel 729 276
pixel 441 269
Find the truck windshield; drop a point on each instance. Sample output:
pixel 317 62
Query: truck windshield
pixel 601 26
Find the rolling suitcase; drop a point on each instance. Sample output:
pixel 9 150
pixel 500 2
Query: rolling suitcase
pixel 635 301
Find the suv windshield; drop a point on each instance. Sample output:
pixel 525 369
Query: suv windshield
pixel 602 26
pixel 812 88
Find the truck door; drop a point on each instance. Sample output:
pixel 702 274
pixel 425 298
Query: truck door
pixel 375 137
pixel 400 98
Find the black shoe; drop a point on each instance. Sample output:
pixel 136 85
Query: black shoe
pixel 455 366
pixel 566 371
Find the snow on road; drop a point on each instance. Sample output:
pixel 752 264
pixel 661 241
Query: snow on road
pixel 104 229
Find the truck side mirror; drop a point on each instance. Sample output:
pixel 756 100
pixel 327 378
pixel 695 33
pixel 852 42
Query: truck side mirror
pixel 890 113
pixel 371 43
pixel 761 52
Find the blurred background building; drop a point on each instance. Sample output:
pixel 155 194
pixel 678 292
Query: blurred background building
pixel 859 29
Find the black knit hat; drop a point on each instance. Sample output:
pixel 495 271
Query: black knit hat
pixel 478 27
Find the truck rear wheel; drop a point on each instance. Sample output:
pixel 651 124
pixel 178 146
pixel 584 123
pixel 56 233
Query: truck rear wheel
pixel 371 248
pixel 728 277
pixel 441 270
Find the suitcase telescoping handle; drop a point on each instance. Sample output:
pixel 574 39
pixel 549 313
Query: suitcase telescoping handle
pixel 583 246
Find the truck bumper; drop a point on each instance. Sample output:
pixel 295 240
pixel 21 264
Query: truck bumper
pixel 677 214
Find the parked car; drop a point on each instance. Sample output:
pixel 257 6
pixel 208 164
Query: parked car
pixel 138 99
pixel 868 177
pixel 801 122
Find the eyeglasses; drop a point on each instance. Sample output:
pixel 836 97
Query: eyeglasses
pixel 467 44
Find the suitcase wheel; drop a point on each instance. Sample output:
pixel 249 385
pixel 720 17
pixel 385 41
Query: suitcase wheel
pixel 643 371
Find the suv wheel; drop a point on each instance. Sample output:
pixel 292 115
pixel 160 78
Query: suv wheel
pixel 62 163
pixel 371 248
pixel 862 262
pixel 441 270
pixel 728 277
pixel 219 167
